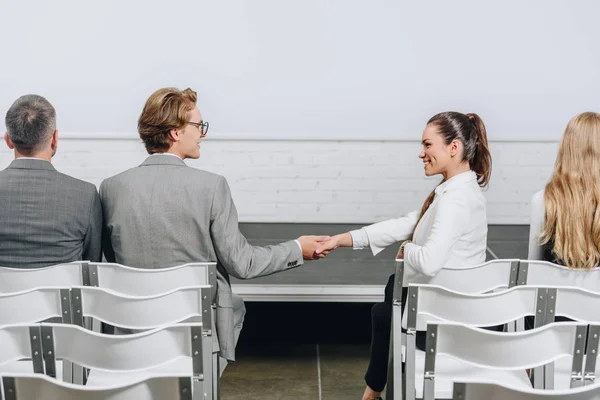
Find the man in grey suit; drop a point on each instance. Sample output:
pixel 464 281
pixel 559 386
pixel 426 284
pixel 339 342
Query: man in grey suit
pixel 47 217
pixel 164 213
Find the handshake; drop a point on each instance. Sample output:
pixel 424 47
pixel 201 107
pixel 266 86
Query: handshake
pixel 316 247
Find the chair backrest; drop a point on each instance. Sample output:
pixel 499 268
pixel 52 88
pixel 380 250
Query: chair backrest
pixel 182 344
pixel 18 342
pixel 430 304
pixel 35 305
pixel 142 312
pixel 492 391
pixel 61 275
pixel 501 350
pixel 543 273
pixel 507 351
pixel 581 305
pixel 146 282
pixel 482 278
pixel 35 387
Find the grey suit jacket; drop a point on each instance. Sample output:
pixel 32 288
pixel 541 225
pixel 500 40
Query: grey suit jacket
pixel 164 213
pixel 47 217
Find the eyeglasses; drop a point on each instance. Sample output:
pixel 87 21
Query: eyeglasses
pixel 202 127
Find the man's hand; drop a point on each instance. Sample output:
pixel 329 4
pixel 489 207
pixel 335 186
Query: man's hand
pixel 328 246
pixel 309 245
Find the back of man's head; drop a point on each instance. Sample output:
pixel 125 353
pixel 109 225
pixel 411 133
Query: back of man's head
pixel 30 123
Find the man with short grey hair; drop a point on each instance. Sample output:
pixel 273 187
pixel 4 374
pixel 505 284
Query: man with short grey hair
pixel 47 217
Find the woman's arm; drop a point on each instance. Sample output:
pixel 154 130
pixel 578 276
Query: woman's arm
pixel 378 236
pixel 536 223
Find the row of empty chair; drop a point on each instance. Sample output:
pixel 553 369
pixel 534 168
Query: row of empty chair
pixel 158 305
pixel 495 293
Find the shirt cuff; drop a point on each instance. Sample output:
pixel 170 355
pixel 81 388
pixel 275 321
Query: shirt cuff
pixel 360 239
pixel 299 245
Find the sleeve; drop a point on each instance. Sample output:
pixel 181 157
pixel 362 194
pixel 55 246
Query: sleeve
pixel 360 240
pixel 107 249
pixel 450 216
pixel 536 223
pixel 385 233
pixel 92 246
pixel 239 258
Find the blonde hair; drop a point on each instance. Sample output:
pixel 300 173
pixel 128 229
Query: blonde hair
pixel 165 109
pixel 572 197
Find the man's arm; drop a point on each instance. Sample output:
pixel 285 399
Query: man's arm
pixel 92 248
pixel 239 258
pixel 107 249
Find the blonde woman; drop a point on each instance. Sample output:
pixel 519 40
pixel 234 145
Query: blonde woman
pixel 565 216
pixel 449 230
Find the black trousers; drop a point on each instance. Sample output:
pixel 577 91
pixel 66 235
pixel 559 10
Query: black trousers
pixel 381 321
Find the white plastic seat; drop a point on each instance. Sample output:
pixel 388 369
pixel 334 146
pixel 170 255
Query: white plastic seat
pixel 512 352
pixel 475 390
pixel 35 305
pixel 115 359
pixel 543 273
pixel 581 305
pixel 429 304
pixel 495 275
pixel 21 279
pixel 147 282
pixel 143 312
pixel 19 342
pixel 36 387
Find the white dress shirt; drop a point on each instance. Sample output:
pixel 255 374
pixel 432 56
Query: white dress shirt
pixel 538 212
pixel 453 231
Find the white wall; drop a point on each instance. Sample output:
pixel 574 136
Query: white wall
pixel 327 181
pixel 337 91
pixel 326 69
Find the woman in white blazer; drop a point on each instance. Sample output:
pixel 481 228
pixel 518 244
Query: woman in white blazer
pixel 565 216
pixel 449 230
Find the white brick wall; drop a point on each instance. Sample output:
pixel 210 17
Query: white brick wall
pixel 324 181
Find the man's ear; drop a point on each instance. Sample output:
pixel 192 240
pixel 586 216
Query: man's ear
pixel 54 141
pixel 174 135
pixel 9 142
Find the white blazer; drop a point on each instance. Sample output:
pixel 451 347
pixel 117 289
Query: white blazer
pixel 536 223
pixel 453 231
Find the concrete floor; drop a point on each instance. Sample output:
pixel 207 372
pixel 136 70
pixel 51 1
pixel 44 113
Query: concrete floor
pixel 320 350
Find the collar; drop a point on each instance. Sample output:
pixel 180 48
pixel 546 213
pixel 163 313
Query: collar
pixel 456 181
pixel 163 159
pixel 31 163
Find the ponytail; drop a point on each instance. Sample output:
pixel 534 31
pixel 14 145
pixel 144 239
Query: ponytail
pixel 481 163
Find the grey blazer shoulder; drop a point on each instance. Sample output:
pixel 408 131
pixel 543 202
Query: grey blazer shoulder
pixel 48 217
pixel 164 213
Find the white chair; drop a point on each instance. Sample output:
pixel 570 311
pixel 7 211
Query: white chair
pixel 114 359
pixel 543 273
pixel 20 279
pixel 136 313
pixel 493 391
pixel 493 275
pixel 38 305
pixel 35 305
pixel 36 387
pixel 499 357
pixel 146 282
pixel 19 342
pixel 581 305
pixel 430 304
pixel 143 312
